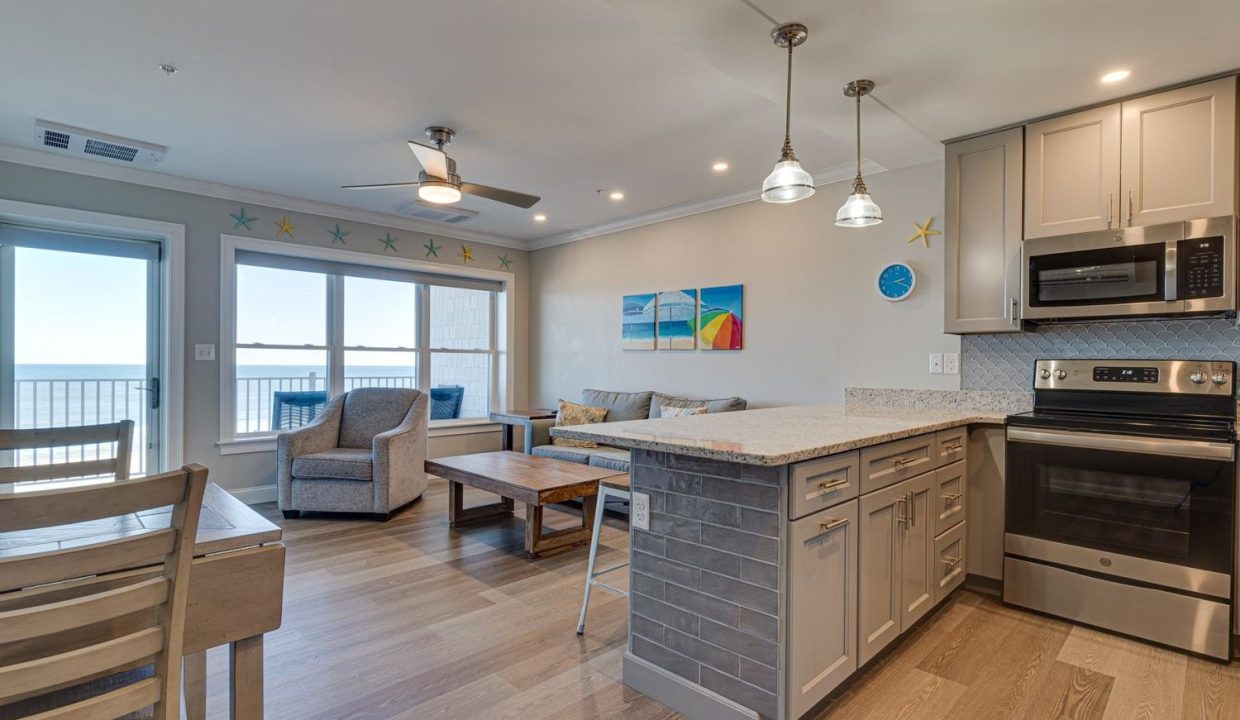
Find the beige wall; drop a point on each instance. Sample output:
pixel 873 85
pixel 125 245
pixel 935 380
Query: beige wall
pixel 205 219
pixel 814 322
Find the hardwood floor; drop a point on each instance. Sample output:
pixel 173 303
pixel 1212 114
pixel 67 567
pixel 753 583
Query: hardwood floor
pixel 408 619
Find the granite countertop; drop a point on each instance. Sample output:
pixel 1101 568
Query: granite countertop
pixel 782 435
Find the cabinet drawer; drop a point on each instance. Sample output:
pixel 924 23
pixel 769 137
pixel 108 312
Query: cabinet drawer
pixel 951 445
pixel 951 486
pixel 818 484
pixel 949 563
pixel 889 463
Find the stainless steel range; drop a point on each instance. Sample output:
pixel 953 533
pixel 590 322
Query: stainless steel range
pixel 1121 493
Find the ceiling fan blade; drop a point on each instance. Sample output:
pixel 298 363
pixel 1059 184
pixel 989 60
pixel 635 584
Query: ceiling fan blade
pixel 433 160
pixel 379 186
pixel 508 197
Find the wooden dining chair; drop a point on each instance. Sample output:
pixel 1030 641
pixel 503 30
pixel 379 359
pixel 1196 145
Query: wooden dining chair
pixel 51 439
pixel 68 635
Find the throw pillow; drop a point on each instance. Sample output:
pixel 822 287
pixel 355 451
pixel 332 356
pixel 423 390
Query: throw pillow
pixel 571 413
pixel 679 411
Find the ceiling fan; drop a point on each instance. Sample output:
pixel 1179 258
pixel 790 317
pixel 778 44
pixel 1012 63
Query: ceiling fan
pixel 438 181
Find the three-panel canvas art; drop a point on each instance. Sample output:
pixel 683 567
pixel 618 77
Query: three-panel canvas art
pixel 711 319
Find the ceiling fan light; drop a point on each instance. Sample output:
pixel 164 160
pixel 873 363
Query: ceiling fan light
pixel 859 211
pixel 439 192
pixel 787 183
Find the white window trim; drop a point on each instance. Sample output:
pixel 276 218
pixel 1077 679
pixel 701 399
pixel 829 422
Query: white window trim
pixel 503 370
pixel 171 237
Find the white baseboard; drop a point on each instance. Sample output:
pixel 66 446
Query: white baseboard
pixel 254 495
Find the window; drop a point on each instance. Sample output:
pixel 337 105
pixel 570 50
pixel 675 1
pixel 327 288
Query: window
pixel 307 328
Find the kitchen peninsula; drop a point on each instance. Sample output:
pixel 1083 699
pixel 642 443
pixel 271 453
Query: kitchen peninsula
pixel 786 547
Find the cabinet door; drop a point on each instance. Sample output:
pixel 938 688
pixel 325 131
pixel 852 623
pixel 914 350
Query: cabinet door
pixel 949 561
pixel 1072 173
pixel 982 232
pixel 822 599
pixel 1179 154
pixel 879 533
pixel 917 574
pixel 950 487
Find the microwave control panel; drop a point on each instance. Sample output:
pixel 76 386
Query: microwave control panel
pixel 1199 268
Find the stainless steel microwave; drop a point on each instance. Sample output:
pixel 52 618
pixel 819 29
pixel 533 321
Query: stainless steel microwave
pixel 1186 268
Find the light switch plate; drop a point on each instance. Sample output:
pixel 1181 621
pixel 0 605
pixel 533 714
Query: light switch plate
pixel 204 352
pixel 936 363
pixel 951 363
pixel 640 511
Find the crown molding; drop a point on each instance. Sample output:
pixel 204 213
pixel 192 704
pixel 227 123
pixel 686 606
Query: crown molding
pixel 827 176
pixel 164 181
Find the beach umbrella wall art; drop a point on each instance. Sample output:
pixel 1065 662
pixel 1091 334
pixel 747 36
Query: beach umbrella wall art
pixel 707 319
pixel 677 313
pixel 721 324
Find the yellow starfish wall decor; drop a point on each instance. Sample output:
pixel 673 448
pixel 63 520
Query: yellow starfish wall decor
pixel 923 232
pixel 466 254
pixel 286 227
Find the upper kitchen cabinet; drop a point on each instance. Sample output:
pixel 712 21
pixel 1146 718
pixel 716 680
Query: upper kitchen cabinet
pixel 1179 154
pixel 1072 181
pixel 983 233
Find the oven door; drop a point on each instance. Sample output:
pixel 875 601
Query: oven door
pixel 1110 274
pixel 1153 510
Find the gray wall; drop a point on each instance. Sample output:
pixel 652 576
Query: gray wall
pixel 205 219
pixel 1005 362
pixel 813 321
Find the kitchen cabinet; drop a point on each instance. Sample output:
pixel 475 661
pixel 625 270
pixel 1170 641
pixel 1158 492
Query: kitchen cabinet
pixel 1072 173
pixel 896 580
pixel 949 561
pixel 951 487
pixel 822 604
pixel 982 232
pixel 1178 156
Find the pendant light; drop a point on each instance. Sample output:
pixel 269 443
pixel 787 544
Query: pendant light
pixel 859 210
pixel 788 182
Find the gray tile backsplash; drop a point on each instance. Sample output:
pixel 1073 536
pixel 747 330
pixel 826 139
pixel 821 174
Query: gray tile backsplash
pixel 1005 362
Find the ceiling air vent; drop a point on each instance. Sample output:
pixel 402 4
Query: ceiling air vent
pixel 437 213
pixel 76 141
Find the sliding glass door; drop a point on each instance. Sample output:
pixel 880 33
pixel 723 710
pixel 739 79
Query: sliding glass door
pixel 79 345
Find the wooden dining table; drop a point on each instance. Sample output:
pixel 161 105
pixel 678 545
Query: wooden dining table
pixel 236 588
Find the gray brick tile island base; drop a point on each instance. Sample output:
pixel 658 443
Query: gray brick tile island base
pixel 705 602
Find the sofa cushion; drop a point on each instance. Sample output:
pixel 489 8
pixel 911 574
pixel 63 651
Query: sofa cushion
pixel 578 455
pixel 571 413
pixel 370 411
pixel 617 459
pixel 336 464
pixel 712 406
pixel 682 410
pixel 620 405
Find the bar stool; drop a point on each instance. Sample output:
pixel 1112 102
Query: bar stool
pixel 617 488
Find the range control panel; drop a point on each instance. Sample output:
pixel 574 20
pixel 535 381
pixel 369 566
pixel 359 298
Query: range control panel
pixel 1199 268
pixel 1194 377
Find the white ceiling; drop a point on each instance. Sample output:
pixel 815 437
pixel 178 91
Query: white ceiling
pixel 561 98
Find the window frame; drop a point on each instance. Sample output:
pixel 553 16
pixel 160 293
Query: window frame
pixel 502 327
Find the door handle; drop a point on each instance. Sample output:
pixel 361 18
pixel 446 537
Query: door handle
pixel 1110 208
pixel 951 498
pixel 912 512
pixel 1015 313
pixel 950 562
pixel 902 510
pixel 1129 208
pixel 827 526
pixel 826 487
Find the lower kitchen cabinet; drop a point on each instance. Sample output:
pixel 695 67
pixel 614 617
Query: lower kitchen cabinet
pixel 949 561
pixel 917 574
pixel 822 604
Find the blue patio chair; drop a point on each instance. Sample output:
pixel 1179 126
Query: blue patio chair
pixel 290 409
pixel 446 402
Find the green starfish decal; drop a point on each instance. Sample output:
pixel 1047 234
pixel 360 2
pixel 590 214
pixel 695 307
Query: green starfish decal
pixel 389 242
pixel 432 250
pixel 242 220
pixel 339 235
pixel 505 261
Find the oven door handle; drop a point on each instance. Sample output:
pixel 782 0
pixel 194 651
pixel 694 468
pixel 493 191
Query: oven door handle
pixel 1201 449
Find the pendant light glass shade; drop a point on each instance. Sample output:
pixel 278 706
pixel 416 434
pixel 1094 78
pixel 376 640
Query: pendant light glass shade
pixel 788 182
pixel 859 210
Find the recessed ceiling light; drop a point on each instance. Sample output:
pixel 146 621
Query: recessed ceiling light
pixel 540 218
pixel 616 195
pixel 1116 75
pixel 719 166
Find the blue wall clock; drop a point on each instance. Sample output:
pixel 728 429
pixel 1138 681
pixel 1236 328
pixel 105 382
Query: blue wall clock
pixel 896 282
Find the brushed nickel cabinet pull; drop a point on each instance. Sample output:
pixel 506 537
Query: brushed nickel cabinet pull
pixel 951 497
pixel 912 512
pixel 1129 208
pixel 828 526
pixel 1110 208
pixel 950 562
pixel 953 448
pixel 902 510
pixel 828 486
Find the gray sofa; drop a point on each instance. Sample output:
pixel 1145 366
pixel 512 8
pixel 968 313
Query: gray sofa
pixel 620 406
pixel 365 453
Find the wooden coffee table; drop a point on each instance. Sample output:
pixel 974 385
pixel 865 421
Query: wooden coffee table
pixel 535 481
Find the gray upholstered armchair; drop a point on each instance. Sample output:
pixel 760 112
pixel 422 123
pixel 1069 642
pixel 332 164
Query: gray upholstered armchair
pixel 365 453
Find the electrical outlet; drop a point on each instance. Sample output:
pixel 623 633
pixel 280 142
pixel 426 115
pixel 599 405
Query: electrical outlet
pixel 951 363
pixel 204 352
pixel 640 511
pixel 936 363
